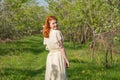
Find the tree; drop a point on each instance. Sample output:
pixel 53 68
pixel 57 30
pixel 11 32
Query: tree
pixel 20 18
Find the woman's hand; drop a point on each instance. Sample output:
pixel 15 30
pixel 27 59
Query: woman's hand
pixel 67 64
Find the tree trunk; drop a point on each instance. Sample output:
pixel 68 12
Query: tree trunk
pixel 106 58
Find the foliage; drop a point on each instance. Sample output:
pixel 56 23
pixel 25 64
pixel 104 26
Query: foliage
pixel 80 20
pixel 19 18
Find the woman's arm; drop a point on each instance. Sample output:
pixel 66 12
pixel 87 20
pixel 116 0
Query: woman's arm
pixel 63 52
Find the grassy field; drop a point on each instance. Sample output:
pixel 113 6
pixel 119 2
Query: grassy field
pixel 25 59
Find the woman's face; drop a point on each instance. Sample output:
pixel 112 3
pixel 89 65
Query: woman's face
pixel 53 24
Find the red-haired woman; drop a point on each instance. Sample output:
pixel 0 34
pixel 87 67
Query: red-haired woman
pixel 56 60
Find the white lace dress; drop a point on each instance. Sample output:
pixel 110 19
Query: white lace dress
pixel 55 64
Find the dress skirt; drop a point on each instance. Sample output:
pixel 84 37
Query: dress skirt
pixel 55 66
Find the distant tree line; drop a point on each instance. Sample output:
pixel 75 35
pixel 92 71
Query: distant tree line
pixel 79 20
pixel 19 18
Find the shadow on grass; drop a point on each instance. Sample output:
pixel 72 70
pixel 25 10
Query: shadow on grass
pixel 77 61
pixel 21 74
pixel 70 46
pixel 17 51
pixel 34 46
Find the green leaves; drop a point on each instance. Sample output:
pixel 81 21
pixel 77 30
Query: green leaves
pixel 20 18
pixel 85 17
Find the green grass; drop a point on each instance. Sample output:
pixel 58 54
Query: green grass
pixel 25 59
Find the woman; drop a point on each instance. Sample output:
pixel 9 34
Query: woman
pixel 56 60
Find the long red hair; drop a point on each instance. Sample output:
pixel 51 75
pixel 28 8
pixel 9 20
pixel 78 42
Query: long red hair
pixel 46 29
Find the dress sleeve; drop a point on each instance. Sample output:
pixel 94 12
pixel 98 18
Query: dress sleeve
pixel 59 36
pixel 44 41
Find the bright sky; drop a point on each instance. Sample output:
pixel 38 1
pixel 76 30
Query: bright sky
pixel 42 2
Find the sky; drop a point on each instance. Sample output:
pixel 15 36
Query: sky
pixel 41 2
